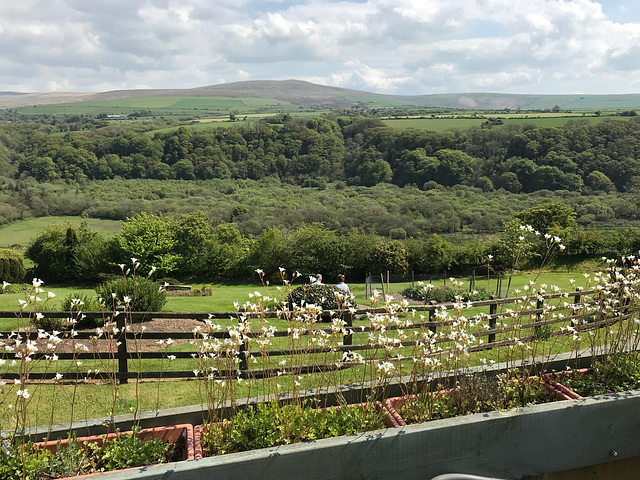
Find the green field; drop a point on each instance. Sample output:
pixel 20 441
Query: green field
pixel 23 231
pixel 435 124
pixel 93 399
pixel 165 106
pixel 440 124
pixel 224 295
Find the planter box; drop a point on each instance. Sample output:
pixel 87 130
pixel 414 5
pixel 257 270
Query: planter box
pixel 513 444
pixel 394 404
pixel 169 434
pixel 392 420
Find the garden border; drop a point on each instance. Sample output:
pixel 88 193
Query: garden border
pixel 512 444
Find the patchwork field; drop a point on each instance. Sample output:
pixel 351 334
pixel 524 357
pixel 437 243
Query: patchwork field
pixel 163 105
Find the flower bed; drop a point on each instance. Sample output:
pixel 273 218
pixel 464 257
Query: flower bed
pixel 269 424
pixel 476 394
pixel 618 372
pixel 88 456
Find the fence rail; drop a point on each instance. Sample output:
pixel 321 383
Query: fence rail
pixel 121 346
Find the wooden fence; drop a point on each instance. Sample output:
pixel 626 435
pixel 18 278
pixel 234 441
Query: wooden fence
pixel 125 339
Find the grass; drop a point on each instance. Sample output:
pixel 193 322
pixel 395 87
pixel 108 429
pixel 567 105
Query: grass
pixel 224 296
pixel 23 231
pixel 170 105
pixel 94 399
pixel 448 123
pixel 435 124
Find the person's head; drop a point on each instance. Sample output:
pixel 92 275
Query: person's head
pixel 319 277
pixel 340 277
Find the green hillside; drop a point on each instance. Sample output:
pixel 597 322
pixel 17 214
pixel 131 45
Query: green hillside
pixel 164 105
pixel 23 231
pixel 292 96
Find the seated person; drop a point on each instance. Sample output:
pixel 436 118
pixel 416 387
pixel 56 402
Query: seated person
pixel 341 285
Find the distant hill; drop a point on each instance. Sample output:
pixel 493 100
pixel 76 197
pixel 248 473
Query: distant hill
pixel 310 95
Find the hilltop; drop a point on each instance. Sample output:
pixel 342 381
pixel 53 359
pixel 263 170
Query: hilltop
pixel 310 95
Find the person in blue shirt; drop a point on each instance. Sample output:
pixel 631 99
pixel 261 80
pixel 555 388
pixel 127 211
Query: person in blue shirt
pixel 318 280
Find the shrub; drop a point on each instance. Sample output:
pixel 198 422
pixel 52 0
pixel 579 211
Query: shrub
pixel 11 267
pixel 326 296
pixel 48 324
pixel 89 303
pixel 437 294
pixel 206 290
pixel 444 293
pixel 16 288
pixel 144 295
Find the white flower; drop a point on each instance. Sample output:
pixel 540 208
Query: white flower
pixel 36 282
pixel 50 295
pixel 23 393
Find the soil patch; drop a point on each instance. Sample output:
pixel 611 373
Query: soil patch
pixel 167 325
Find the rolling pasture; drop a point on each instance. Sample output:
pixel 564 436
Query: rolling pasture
pixel 443 123
pixel 23 231
pixel 164 106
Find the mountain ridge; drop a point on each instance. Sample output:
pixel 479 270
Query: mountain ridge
pixel 313 95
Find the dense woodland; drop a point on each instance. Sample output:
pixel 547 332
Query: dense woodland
pixel 190 246
pixel 344 179
pixel 325 164
pixel 355 150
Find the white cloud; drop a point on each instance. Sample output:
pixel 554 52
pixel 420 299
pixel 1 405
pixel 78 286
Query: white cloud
pixel 388 46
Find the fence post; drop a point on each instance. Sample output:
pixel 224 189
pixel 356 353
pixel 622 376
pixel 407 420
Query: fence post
pixel 493 309
pixel 121 355
pixel 539 305
pixel 242 351
pixel 347 317
pixel 432 317
pixel 244 365
pixel 367 286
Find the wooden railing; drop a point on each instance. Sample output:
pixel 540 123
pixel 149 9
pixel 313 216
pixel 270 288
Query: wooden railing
pixel 122 350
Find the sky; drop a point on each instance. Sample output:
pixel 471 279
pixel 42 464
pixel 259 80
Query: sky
pixel 404 47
